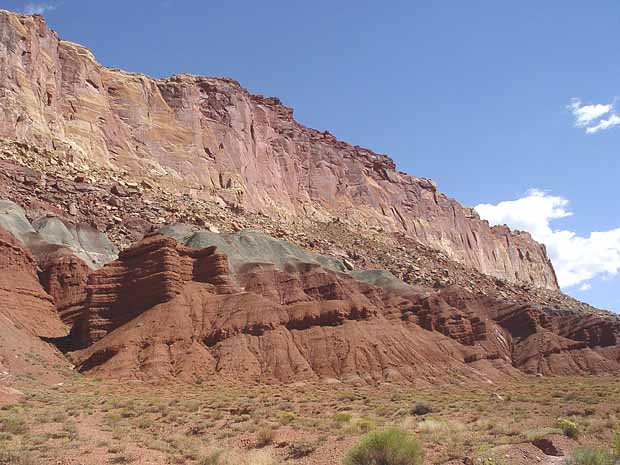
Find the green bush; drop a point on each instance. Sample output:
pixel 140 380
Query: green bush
pixel 390 446
pixel 590 456
pixel 569 428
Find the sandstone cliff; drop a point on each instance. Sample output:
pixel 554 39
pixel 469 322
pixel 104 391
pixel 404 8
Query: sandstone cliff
pixel 210 138
pixel 27 315
pixel 163 310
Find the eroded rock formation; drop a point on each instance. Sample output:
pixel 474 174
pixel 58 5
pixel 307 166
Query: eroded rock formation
pixel 210 138
pixel 27 314
pixel 153 272
pixel 164 310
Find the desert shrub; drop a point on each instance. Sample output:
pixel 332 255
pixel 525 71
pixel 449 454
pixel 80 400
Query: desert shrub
pixel 286 417
pixel 535 434
pixel 214 458
pixel 390 446
pixel 13 424
pixel 342 417
pixel 421 408
pixel 363 425
pixel 265 436
pixel 16 457
pixel 121 459
pixel 569 428
pixel 615 446
pixel 299 449
pixel 256 457
pixel 590 456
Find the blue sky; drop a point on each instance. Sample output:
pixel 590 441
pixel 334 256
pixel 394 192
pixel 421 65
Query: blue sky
pixel 475 95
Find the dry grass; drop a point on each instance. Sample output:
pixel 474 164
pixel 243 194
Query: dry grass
pixel 92 422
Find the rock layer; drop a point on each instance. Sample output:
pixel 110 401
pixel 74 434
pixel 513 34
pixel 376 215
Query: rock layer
pixel 164 310
pixel 153 272
pixel 210 138
pixel 27 315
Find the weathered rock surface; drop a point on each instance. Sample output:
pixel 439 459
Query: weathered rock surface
pixel 27 314
pixel 153 272
pixel 164 310
pixel 64 276
pixel 49 234
pixel 210 138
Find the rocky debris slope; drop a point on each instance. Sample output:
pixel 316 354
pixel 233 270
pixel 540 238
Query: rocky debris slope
pixel 209 138
pixel 27 315
pixel 127 206
pixel 48 234
pixel 257 308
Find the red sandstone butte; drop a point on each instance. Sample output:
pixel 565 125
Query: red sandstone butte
pixel 163 310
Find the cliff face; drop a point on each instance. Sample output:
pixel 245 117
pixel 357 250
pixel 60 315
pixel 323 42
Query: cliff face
pixel 27 316
pixel 163 310
pixel 212 139
pixel 152 272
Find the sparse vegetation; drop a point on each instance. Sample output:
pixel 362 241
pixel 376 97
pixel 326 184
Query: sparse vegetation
pixel 285 423
pixel 16 457
pixel 568 427
pixel 342 417
pixel 265 436
pixel 591 456
pixel 300 449
pixel 390 446
pixel 214 458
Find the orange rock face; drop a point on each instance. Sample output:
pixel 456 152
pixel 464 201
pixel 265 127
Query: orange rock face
pixel 153 272
pixel 163 310
pixel 213 139
pixel 64 277
pixel 27 315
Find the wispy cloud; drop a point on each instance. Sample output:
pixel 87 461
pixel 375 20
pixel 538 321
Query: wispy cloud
pixel 38 8
pixel 590 116
pixel 613 120
pixel 577 259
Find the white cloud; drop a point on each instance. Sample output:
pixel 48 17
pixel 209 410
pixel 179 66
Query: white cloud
pixel 38 8
pixel 577 260
pixel 590 116
pixel 585 287
pixel 613 120
pixel 585 114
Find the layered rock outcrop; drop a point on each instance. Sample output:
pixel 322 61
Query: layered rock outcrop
pixel 164 310
pixel 210 138
pixel 27 315
pixel 297 322
pixel 64 277
pixel 153 272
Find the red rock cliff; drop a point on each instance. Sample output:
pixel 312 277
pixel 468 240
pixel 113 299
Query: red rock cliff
pixel 212 138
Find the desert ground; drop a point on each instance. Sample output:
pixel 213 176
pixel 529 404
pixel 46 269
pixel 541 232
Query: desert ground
pixel 91 422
